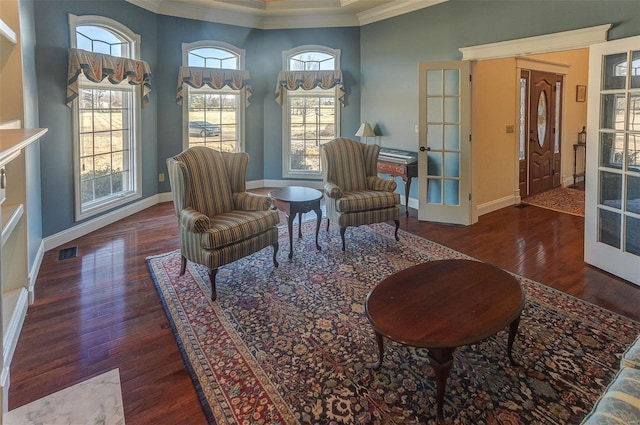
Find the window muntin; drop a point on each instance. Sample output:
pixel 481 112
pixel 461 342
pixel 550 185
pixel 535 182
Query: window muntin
pixel 312 61
pixel 213 118
pixel 211 57
pixel 106 123
pixel 311 117
pixel 101 40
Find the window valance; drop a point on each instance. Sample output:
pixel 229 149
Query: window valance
pixel 216 78
pixel 98 66
pixel 307 80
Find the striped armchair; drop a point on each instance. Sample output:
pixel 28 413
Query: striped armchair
pixel 219 221
pixel 354 193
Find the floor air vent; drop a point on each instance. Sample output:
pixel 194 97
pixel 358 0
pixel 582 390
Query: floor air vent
pixel 68 253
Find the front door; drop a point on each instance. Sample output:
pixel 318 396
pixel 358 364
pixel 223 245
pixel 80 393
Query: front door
pixel 612 195
pixel 544 131
pixel 444 157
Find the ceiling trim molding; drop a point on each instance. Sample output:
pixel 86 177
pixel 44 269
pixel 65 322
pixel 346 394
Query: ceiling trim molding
pixel 566 40
pixel 275 18
pixel 309 21
pixel 397 8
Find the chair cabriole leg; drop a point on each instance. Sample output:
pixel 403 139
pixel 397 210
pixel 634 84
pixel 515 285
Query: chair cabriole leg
pixel 212 277
pixel 275 245
pixel 397 227
pixel 342 230
pixel 183 264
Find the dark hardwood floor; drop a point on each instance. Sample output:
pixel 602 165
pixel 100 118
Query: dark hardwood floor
pixel 101 311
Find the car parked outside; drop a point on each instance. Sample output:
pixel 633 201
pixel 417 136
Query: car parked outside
pixel 203 128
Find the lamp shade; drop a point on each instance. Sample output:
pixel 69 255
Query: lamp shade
pixel 365 130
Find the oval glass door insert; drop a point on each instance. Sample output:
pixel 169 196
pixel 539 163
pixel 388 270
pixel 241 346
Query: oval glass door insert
pixel 542 118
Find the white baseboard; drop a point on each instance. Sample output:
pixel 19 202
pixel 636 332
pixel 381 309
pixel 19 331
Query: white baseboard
pixel 496 205
pixel 33 275
pixel 61 238
pixel 165 197
pixel 568 181
pixel 10 341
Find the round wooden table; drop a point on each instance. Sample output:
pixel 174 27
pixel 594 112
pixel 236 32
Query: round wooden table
pixel 442 305
pixel 298 200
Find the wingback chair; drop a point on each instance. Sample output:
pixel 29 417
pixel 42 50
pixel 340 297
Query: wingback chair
pixel 219 221
pixel 354 194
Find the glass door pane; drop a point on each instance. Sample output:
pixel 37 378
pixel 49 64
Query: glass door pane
pixel 618 163
pixel 444 131
pixel 612 213
pixel 443 137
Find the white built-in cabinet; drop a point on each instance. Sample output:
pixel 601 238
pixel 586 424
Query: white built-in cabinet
pixel 15 283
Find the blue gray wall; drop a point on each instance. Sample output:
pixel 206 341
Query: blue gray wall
pixel 392 49
pixel 162 38
pixel 32 152
pixel 379 61
pixel 56 150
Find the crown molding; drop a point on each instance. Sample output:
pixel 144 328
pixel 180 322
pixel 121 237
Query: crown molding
pixel 566 40
pixel 285 14
pixel 396 8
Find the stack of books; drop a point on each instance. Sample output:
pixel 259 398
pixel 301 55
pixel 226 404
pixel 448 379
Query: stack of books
pixel 397 155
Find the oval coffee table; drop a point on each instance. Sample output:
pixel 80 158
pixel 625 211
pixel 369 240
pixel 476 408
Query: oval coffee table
pixel 298 200
pixel 442 305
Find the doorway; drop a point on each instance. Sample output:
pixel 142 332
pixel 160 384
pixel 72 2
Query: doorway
pixel 541 122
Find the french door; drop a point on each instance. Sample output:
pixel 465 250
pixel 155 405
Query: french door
pixel 444 157
pixel 612 198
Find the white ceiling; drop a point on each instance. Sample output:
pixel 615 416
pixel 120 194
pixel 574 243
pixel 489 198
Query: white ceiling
pixel 278 14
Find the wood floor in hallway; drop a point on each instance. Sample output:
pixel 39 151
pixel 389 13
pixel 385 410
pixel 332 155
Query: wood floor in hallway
pixel 100 310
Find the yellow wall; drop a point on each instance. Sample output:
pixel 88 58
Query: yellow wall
pixel 495 93
pixel 11 102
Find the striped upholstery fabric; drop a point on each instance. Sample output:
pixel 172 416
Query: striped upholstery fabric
pixel 251 202
pixel 631 357
pixel 366 217
pixel 366 200
pixel 234 226
pixel 193 221
pixel 206 165
pixel 376 183
pixel 219 222
pixel 236 165
pixel 620 403
pixel 354 193
pixel 345 164
pixel 231 253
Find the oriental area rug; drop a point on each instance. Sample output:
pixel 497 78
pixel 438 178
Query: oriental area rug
pixel 292 345
pixel 561 199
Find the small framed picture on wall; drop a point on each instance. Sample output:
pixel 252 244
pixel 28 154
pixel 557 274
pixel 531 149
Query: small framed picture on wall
pixel 581 93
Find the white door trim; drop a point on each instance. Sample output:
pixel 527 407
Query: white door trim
pixel 565 40
pixel 611 259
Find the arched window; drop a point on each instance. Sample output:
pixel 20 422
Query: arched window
pixel 213 117
pixel 311 114
pixel 106 122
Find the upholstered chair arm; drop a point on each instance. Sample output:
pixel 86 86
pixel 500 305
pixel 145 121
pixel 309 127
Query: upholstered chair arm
pixel 332 190
pixel 194 221
pixel 246 201
pixel 378 183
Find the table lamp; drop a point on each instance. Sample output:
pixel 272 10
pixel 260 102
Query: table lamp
pixel 365 131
